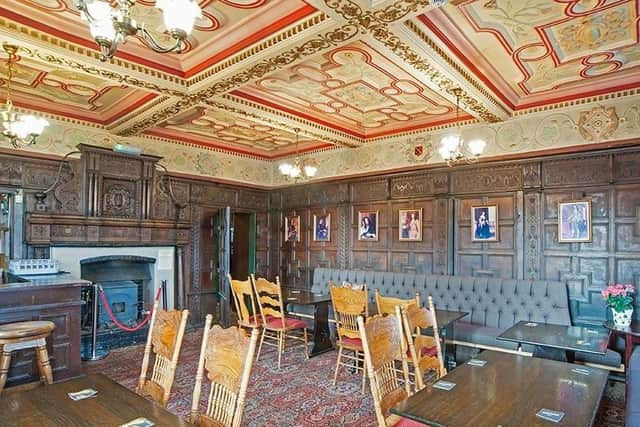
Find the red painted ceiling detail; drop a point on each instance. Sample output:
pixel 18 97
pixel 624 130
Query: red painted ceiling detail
pixel 353 89
pixel 538 53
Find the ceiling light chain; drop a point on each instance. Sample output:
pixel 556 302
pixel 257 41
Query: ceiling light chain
pixel 298 169
pixel 452 148
pixel 19 129
pixel 111 26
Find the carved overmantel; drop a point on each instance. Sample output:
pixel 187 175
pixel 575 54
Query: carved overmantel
pixel 118 192
pixel 68 230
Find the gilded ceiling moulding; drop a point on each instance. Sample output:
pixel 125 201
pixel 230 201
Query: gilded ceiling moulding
pixel 377 24
pixel 452 63
pixel 99 72
pixel 348 140
pixel 603 97
pixel 270 42
pixel 317 44
pixel 19 32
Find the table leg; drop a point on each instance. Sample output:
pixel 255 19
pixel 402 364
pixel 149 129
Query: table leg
pixel 449 348
pixel 321 334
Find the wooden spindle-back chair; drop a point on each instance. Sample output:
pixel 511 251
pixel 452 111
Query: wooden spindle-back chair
pixel 425 352
pixel 348 304
pixel 276 325
pixel 226 357
pixel 382 341
pixel 245 302
pixel 387 305
pixel 166 330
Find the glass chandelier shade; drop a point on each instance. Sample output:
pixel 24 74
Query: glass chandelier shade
pixel 298 169
pixel 452 147
pixel 19 129
pixel 110 26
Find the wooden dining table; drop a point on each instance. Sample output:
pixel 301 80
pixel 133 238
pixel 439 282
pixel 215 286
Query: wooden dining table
pixel 113 405
pixel 508 391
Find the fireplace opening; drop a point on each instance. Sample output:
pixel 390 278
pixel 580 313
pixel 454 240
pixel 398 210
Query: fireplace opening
pixel 127 283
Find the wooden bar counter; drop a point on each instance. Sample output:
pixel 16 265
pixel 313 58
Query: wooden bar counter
pixel 55 298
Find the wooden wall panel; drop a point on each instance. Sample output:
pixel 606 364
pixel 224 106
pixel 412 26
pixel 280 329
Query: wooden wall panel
pixel 527 194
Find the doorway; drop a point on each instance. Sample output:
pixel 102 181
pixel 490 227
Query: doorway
pixel 222 229
pixel 243 248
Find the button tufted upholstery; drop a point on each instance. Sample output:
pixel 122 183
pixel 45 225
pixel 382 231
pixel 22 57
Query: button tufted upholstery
pixel 493 304
pixel 496 303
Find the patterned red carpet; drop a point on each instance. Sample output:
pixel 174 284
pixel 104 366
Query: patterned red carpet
pixel 301 393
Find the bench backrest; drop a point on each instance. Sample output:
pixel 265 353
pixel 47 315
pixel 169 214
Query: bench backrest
pixel 491 302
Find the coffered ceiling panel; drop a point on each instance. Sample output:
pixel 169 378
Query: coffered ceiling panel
pixel 225 130
pixel 48 88
pixel 226 27
pixel 346 72
pixel 539 52
pixel 354 89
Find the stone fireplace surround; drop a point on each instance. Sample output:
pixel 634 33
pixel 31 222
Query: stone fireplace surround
pixel 69 258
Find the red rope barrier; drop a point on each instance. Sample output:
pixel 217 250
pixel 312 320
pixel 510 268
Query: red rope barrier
pixel 107 307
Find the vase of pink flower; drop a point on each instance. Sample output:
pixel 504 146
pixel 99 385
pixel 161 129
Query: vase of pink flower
pixel 618 297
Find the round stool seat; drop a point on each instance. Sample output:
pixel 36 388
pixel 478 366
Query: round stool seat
pixel 25 329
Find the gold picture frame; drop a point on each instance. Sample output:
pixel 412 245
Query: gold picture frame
pixel 574 221
pixel 410 225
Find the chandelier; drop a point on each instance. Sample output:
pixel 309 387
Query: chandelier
pixel 110 26
pixel 452 147
pixel 19 129
pixel 298 169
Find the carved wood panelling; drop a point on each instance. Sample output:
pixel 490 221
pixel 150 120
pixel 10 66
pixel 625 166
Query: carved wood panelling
pixel 626 166
pixel 485 180
pixel 294 197
pixel 328 194
pixel 213 195
pixel 493 259
pixel 531 175
pixel 533 219
pixel 577 171
pixel 411 186
pixel 253 200
pixel 370 190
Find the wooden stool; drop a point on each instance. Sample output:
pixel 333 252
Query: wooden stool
pixel 21 335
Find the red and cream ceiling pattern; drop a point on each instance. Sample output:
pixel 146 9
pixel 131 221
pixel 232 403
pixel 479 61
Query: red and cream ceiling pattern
pixel 254 71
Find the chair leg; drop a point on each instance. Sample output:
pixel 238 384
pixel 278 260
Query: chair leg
pixel 335 375
pixel 364 372
pixel 5 361
pixel 264 332
pixel 43 364
pixel 306 347
pixel 261 334
pixel 280 346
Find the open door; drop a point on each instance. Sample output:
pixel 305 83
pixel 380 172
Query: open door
pixel 224 233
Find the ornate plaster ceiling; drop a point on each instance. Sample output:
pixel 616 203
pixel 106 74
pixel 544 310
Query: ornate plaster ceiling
pixel 539 52
pixel 346 74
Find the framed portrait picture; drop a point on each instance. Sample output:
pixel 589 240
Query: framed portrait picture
pixel 410 224
pixel 368 225
pixel 484 223
pixel 322 228
pixel 292 228
pixel 574 221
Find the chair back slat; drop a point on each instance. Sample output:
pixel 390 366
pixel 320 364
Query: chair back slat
pixel 414 320
pixel 244 301
pixel 348 304
pixel 387 305
pixel 382 341
pixel 226 358
pixel 269 297
pixel 164 340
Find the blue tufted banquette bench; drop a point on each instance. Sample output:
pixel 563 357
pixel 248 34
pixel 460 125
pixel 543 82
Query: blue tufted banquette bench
pixel 493 304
